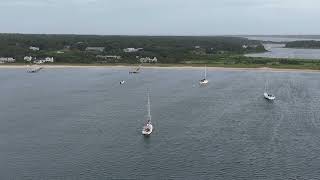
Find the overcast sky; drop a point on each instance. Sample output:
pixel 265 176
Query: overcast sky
pixel 160 17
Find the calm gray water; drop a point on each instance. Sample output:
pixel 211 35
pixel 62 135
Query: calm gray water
pixel 81 124
pixel 279 39
pixel 278 51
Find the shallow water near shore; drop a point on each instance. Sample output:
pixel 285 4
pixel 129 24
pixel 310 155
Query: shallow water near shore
pixel 80 123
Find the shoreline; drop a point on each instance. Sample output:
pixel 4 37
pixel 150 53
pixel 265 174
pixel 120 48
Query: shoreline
pixel 164 66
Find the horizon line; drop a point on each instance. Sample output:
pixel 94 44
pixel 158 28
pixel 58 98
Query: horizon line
pixel 164 35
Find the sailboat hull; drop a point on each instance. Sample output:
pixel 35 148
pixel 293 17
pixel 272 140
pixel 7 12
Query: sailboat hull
pixel 269 97
pixel 34 69
pixel 147 130
pixel 204 82
pixel 133 72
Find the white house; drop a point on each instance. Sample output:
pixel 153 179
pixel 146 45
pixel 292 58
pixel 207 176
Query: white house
pixel 38 61
pixel 41 61
pixel 49 59
pixel 34 48
pixel 7 60
pixel 249 46
pixel 28 58
pixel 108 57
pixel 148 60
pixel 130 50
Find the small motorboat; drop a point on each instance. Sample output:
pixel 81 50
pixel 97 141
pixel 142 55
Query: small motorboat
pixel 122 82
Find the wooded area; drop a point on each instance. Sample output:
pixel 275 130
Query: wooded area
pixel 167 49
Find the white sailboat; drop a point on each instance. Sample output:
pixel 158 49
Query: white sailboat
pixel 137 70
pixel 266 94
pixel 148 127
pixel 205 80
pixel 34 69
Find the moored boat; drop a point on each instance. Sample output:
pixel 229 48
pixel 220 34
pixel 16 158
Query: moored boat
pixel 204 81
pixel 148 127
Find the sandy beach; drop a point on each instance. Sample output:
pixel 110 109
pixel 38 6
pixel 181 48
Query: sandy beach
pixel 177 67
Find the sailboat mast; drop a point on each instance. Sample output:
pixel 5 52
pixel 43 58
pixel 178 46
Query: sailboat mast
pixel 149 109
pixel 205 72
pixel 265 86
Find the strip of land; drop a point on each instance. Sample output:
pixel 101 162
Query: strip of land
pixel 74 51
pixel 163 66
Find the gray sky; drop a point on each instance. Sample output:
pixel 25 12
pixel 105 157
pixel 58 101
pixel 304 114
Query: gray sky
pixel 160 17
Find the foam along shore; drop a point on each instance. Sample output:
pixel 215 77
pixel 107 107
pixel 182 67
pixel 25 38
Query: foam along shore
pixel 170 66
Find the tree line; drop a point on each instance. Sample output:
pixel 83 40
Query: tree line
pixel 168 49
pixel 304 44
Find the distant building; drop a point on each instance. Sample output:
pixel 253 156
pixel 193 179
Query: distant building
pixel 99 49
pixel 49 59
pixel 38 61
pixel 7 60
pixel 60 52
pixel 251 46
pixel 108 57
pixel 34 48
pixel 130 50
pixel 41 61
pixel 197 47
pixel 27 58
pixel 148 60
pixel 67 47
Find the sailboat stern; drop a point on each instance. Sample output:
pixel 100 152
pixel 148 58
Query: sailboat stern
pixel 147 129
pixel 203 82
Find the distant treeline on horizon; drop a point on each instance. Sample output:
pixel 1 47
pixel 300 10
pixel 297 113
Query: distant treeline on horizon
pixel 86 48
